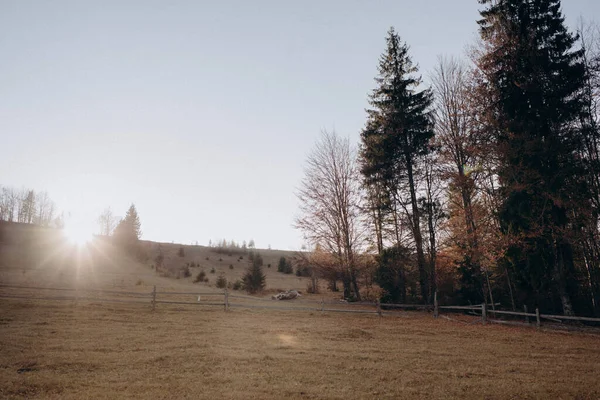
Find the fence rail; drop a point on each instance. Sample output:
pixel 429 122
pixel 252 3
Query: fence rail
pixel 166 297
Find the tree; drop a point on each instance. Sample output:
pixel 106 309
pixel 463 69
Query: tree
pixel 107 222
pixel 254 279
pixel 44 209
pixel 285 266
pixel 181 252
pixel 390 274
pixel 330 205
pixel 128 232
pixel 396 138
pixel 26 206
pixel 459 146
pixel 533 77
pixel 589 35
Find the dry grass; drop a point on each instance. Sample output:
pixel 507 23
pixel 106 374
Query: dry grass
pixel 57 350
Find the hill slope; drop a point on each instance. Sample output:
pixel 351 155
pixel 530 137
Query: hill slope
pixel 36 256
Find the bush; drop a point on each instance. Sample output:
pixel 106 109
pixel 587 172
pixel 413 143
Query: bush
pixel 303 271
pixel 220 259
pixel 186 271
pixel 200 277
pixel 230 266
pixel 181 252
pixel 268 265
pixel 285 266
pixel 206 280
pixel 221 282
pixel 237 285
pixel 212 271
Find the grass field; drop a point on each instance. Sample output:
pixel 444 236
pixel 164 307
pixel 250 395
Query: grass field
pixel 59 350
pixel 63 350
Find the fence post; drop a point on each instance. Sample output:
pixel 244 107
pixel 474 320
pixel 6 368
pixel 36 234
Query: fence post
pixel 226 300
pixel 537 317
pixel 436 311
pixel 526 317
pixel 483 313
pixel 322 304
pixel 378 308
pixel 154 298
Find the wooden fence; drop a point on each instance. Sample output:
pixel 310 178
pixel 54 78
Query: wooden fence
pixel 228 301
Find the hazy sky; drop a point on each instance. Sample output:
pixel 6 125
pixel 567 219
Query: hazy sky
pixel 201 113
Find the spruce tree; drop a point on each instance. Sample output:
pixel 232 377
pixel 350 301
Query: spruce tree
pixel 254 279
pixel 533 76
pixel 396 137
pixel 128 231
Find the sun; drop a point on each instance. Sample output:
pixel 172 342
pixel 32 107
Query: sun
pixel 77 235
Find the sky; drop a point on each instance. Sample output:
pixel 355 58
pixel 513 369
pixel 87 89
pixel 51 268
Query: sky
pixel 201 113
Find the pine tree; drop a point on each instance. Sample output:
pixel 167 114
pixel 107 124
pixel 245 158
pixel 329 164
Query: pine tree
pixel 128 231
pixel 396 138
pixel 533 78
pixel 254 279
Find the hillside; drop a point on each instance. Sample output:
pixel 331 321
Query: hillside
pixel 35 256
pixel 231 264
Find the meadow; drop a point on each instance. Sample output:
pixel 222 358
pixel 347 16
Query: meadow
pixel 91 349
pixel 94 350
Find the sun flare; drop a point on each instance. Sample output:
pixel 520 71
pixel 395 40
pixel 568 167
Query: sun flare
pixel 77 235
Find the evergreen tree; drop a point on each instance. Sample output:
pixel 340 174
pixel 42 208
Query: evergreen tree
pixel 396 138
pixel 285 266
pixel 254 279
pixel 128 231
pixel 533 78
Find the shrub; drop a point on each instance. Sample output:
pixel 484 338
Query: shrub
pixel 303 271
pixel 139 282
pixel 200 277
pixel 221 282
pixel 181 252
pixel 186 272
pixel 212 271
pixel 206 280
pixel 230 266
pixel 285 266
pixel 220 259
pixel 237 285
pixel 268 265
pixel 311 289
pixel 207 258
pixel 159 260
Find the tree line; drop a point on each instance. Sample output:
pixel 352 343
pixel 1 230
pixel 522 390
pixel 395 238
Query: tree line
pixel 484 186
pixel 29 207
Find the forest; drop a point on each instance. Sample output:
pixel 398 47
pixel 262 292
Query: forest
pixel 483 186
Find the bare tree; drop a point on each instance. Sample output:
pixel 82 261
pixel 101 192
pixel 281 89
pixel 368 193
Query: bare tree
pixel 330 198
pixel 107 222
pixel 589 38
pixel 44 209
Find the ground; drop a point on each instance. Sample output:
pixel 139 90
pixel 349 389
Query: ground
pixel 67 351
pixel 90 349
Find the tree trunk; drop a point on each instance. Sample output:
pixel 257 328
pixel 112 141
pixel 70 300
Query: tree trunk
pixel 416 228
pixel 400 268
pixel 560 275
